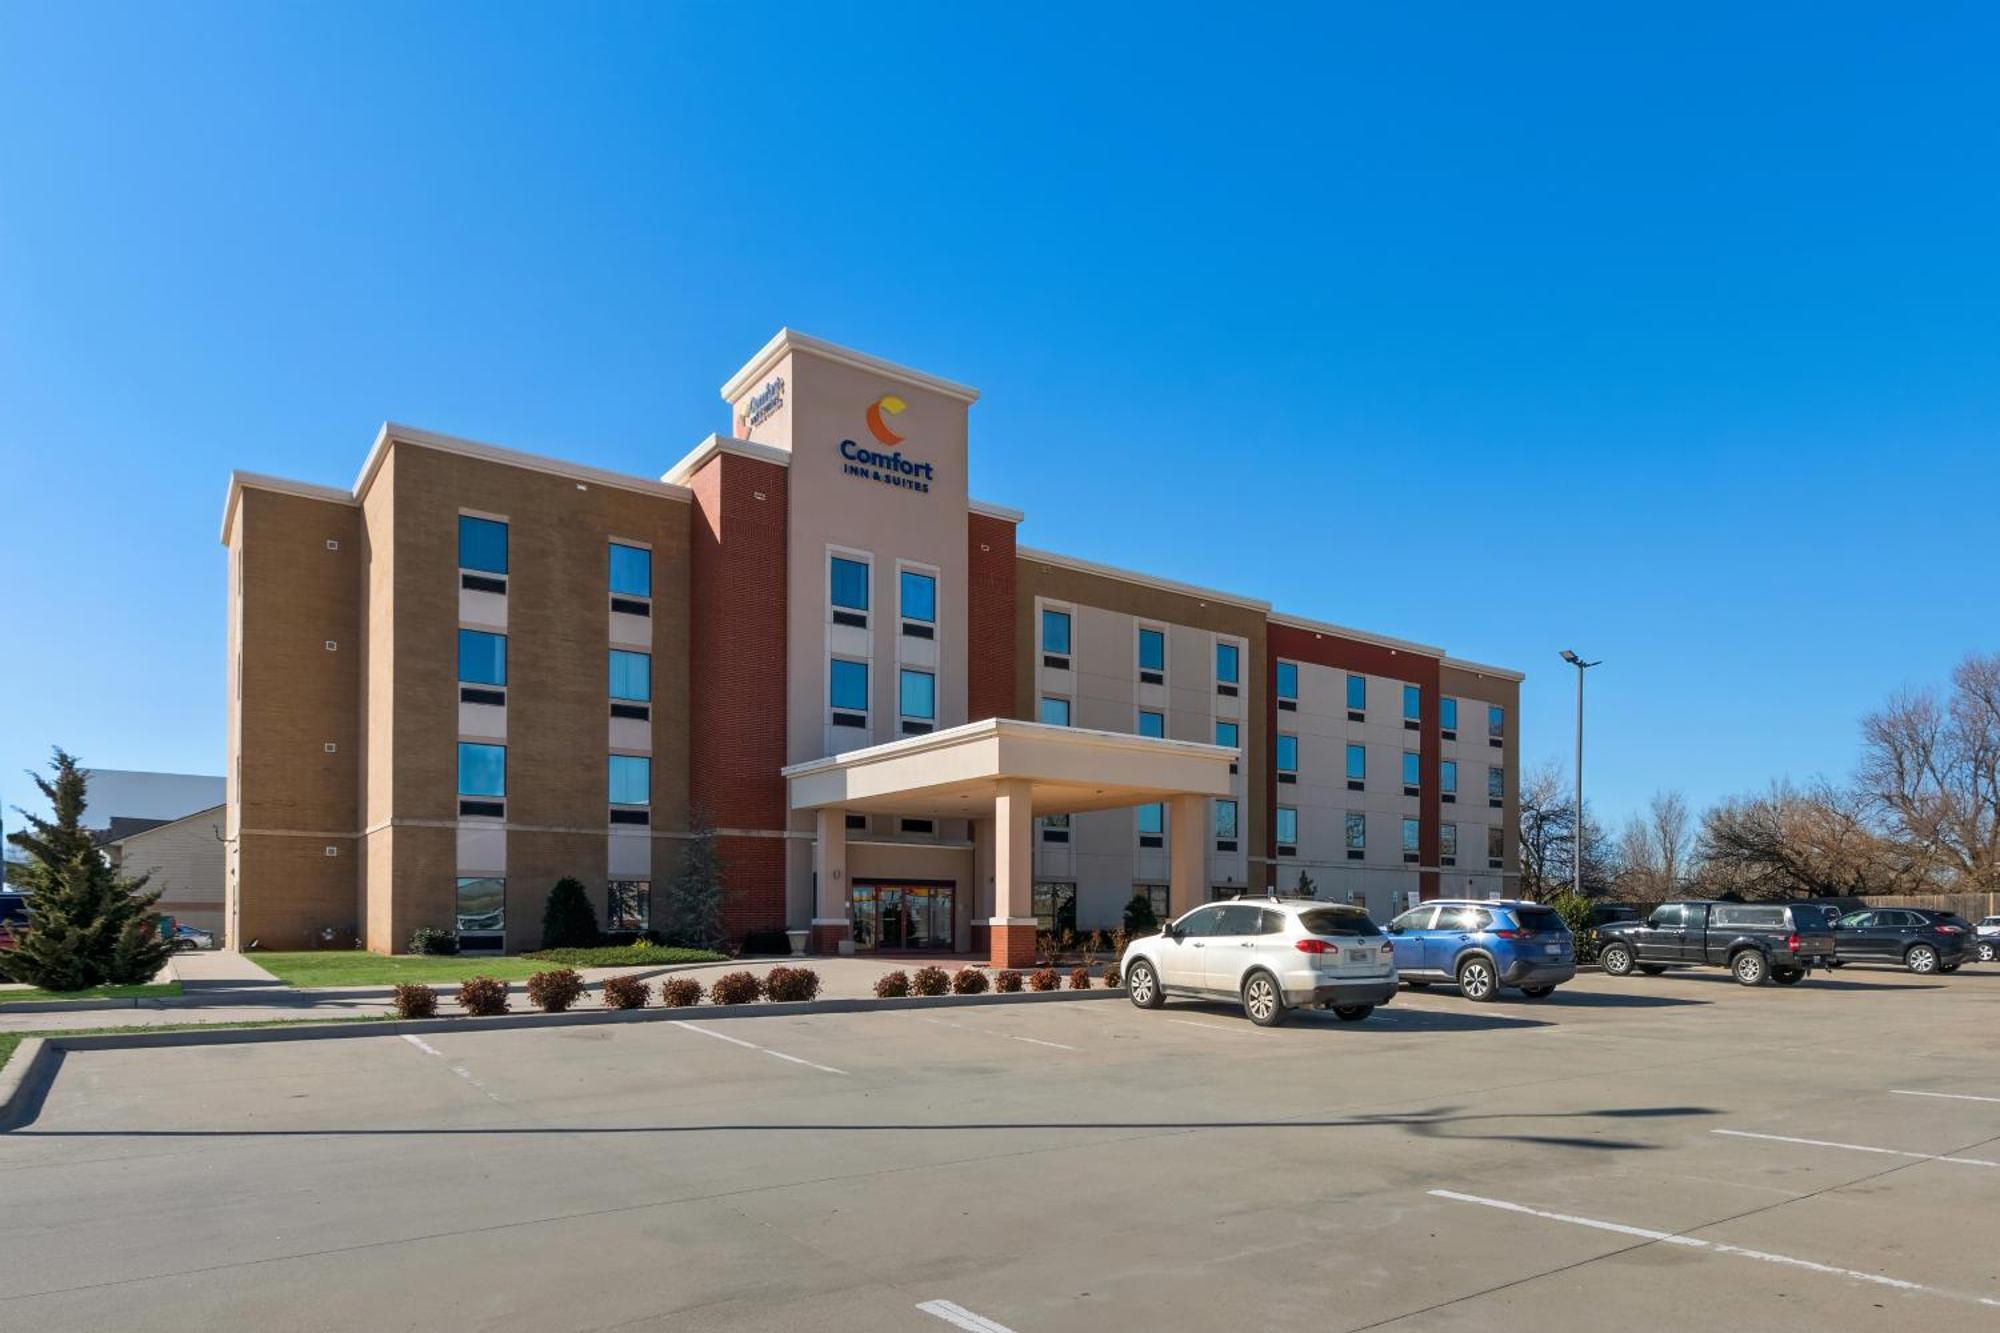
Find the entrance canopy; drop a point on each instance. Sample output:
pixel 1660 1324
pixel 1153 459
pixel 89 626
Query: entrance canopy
pixel 958 772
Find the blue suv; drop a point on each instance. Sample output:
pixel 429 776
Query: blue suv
pixel 1480 946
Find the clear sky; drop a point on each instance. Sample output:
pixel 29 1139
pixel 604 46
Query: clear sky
pixel 1670 336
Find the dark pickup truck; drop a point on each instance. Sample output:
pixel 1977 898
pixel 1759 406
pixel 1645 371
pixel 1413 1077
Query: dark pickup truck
pixel 1758 942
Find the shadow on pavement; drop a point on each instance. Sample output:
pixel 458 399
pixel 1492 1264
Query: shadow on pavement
pixel 1388 1019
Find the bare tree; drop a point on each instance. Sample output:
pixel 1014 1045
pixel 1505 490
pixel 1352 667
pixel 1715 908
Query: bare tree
pixel 1931 765
pixel 1548 838
pixel 1672 836
pixel 1791 842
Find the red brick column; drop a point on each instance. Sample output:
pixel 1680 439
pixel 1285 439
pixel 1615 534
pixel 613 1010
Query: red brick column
pixel 990 617
pixel 1013 944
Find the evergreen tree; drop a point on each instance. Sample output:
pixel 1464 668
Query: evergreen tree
pixel 87 924
pixel 1140 918
pixel 1306 888
pixel 568 921
pixel 694 894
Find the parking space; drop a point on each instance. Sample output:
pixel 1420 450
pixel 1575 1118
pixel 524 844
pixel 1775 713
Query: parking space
pixel 1677 1150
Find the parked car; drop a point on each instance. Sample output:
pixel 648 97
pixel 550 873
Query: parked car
pixel 1272 954
pixel 13 916
pixel 184 936
pixel 1914 937
pixel 1481 946
pixel 1779 942
pixel 1986 939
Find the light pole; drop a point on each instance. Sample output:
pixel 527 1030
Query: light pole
pixel 1576 854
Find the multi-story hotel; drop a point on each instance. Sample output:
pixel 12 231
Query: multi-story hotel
pixel 479 671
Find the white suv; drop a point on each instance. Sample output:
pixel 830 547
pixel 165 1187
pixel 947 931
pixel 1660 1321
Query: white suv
pixel 1274 954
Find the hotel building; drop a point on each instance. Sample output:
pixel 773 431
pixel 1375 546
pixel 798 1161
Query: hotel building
pixel 479 671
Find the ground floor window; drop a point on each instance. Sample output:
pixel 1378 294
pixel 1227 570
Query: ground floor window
pixel 481 919
pixel 902 916
pixel 629 905
pixel 1055 906
pixel 1156 894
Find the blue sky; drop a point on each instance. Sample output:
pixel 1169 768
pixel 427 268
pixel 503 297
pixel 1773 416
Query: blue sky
pixel 1666 335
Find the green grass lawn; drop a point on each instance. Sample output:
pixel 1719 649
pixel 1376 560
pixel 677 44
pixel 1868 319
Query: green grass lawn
pixel 628 955
pixel 10 1040
pixel 357 967
pixel 148 992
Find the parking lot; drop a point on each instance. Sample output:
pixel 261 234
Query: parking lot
pixel 1650 1152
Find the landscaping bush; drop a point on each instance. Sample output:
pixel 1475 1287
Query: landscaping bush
pixel 1111 977
pixel 483 997
pixel 1042 978
pixel 791 983
pixel 1007 982
pixel 413 1001
pixel 766 944
pixel 1079 978
pixel 1575 912
pixel 567 920
pixel 624 993
pixel 930 981
pixel 555 990
pixel 968 981
pixel 892 986
pixel 1139 916
pixel 680 992
pixel 735 988
pixel 433 942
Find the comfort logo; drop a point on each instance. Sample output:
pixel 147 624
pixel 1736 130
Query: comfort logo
pixel 878 427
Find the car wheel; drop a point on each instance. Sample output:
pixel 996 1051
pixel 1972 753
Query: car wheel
pixel 1653 969
pixel 1617 960
pixel 1538 992
pixel 1352 1013
pixel 1143 985
pixel 1476 980
pixel 1985 951
pixel 1750 967
pixel 1921 959
pixel 1788 976
pixel 1262 1000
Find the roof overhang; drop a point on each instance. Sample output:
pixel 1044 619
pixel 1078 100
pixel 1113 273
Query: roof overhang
pixel 956 773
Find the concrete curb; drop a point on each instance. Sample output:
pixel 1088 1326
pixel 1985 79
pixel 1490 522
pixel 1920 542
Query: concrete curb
pixel 27 1076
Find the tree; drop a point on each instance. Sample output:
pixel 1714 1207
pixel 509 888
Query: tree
pixel 1793 842
pixel 1654 850
pixel 1931 767
pixel 568 922
pixel 1305 888
pixel 1547 832
pixel 694 894
pixel 87 924
pixel 1140 918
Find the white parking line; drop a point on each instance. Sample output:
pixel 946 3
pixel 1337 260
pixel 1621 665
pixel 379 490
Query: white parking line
pixel 1193 1023
pixel 753 1046
pixel 1715 1247
pixel 423 1045
pixel 1856 1147
pixel 457 1069
pixel 1949 1096
pixel 956 1314
pixel 988 1032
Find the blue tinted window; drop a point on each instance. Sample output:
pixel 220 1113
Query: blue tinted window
pixel 850 584
pixel 919 695
pixel 849 682
pixel 1225 819
pixel 1055 712
pixel 1413 702
pixel 1357 762
pixel 631 570
pixel 1357 833
pixel 1288 825
pixel 1288 680
pixel 1448 714
pixel 1496 721
pixel 1151 723
pixel 1152 818
pixel 482 657
pixel 1226 663
pixel 1410 836
pixel 1227 734
pixel 1152 650
pixel 1357 692
pixel 1288 754
pixel 1496 783
pixel 1412 769
pixel 482 769
pixel 1447 840
pixel 1055 631
pixel 631 675
pixel 482 544
pixel 919 597
pixel 1448 776
pixel 631 780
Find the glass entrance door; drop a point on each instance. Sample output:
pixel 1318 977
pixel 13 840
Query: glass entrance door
pixel 902 916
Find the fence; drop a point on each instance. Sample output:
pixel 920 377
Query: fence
pixel 1971 906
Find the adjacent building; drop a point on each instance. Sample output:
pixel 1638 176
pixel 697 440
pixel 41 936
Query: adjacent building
pixel 479 670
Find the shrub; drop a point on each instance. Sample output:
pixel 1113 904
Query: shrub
pixel 930 981
pixel 1576 914
pixel 791 983
pixel 1140 918
pixel 767 944
pixel 483 997
pixel 735 988
pixel 413 1001
pixel 692 913
pixel 680 992
pixel 892 986
pixel 567 920
pixel 1042 979
pixel 1111 977
pixel 1079 978
pixel 968 981
pixel 555 990
pixel 1007 982
pixel 624 993
pixel 433 942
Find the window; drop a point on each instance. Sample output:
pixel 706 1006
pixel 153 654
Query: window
pixel 1055 632
pixel 1357 763
pixel 1152 820
pixel 1417 918
pixel 1225 820
pixel 848 682
pixel 1496 842
pixel 1288 753
pixel 1357 694
pixel 1412 769
pixel 1055 906
pixel 631 779
pixel 1357 833
pixel 1448 843
pixel 1496 784
pixel 1288 826
pixel 631 675
pixel 1151 723
pixel 1448 714
pixel 1156 898
pixel 1448 777
pixel 1340 921
pixel 1413 703
pixel 1152 650
pixel 1496 722
pixel 482 908
pixel 917 593
pixel 1238 919
pixel 631 570
pixel 1227 733
pixel 1055 712
pixel 1226 663
pixel 628 905
pixel 1288 681
pixel 918 694
pixel 1411 834
pixel 482 544
pixel 1670 916
pixel 482 769
pixel 849 580
pixel 1202 922
pixel 1469 920
pixel 482 657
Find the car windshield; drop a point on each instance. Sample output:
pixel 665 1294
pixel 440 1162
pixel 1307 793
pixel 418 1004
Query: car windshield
pixel 1331 921
pixel 1537 918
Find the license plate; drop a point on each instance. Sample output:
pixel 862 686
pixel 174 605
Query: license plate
pixel 1553 948
pixel 1357 955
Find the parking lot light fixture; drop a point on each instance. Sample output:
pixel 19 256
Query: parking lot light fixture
pixel 1576 852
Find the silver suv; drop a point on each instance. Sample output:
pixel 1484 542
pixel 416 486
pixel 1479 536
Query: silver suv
pixel 1273 954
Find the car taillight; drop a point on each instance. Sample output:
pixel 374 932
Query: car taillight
pixel 1949 930
pixel 1512 934
pixel 1792 943
pixel 1310 946
pixel 1388 948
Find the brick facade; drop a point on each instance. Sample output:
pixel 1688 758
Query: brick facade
pixel 990 619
